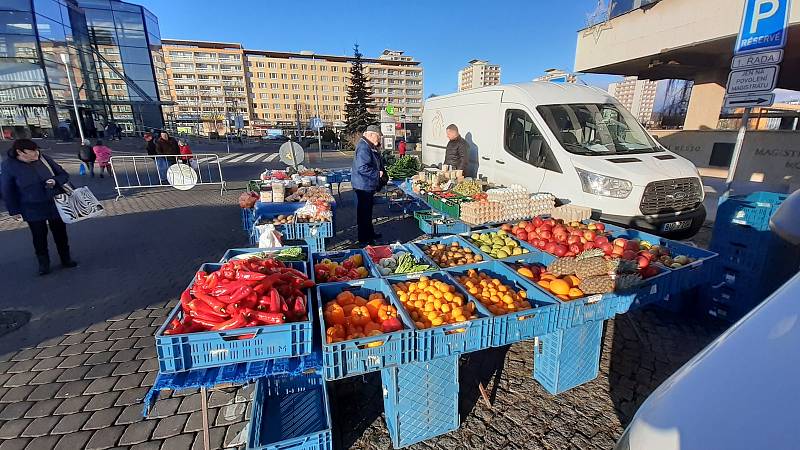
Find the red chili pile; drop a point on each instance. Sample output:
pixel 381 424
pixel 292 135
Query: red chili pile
pixel 243 293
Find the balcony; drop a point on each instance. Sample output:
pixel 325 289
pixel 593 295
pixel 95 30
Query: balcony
pixel 183 69
pixel 180 57
pixel 207 69
pixel 205 58
pixel 213 81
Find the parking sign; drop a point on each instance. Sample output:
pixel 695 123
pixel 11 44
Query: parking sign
pixel 764 25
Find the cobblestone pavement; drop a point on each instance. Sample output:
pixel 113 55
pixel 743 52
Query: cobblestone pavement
pixel 74 377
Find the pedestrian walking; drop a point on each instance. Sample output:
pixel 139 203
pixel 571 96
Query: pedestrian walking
pixel 401 148
pixel 103 155
pixel 149 144
pixel 368 178
pixel 184 148
pixel 30 181
pixel 111 130
pixel 87 156
pixel 165 148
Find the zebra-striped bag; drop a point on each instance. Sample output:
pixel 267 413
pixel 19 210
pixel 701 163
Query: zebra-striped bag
pixel 76 204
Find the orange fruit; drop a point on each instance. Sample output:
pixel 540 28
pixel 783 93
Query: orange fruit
pixel 544 283
pixel 547 276
pixel 525 272
pixel 575 293
pixel 559 287
pixel 572 280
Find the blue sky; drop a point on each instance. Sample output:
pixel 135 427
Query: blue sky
pixel 524 36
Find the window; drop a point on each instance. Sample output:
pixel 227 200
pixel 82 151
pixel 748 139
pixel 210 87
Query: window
pixel 259 64
pixel 334 78
pixel 313 67
pixel 323 78
pixel 283 76
pixel 288 106
pixel 272 65
pixel 523 140
pixel 273 76
pixel 324 98
pixel 334 69
pixel 295 87
pixel 336 89
pixel 303 66
pixel 336 98
pixel 296 96
pixel 283 65
pixel 293 66
pixel 307 97
pixel 295 76
pixel 273 85
pixel 276 106
pixel 286 86
pixel 286 96
pixel 262 85
pixel 276 96
pixel 305 77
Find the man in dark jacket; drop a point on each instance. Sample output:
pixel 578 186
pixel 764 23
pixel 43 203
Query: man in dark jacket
pixel 457 152
pixel 367 179
pixel 166 145
pixel 149 144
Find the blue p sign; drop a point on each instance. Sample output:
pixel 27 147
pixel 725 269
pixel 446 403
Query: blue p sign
pixel 764 25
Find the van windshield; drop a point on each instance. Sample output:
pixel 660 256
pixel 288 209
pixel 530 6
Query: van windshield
pixel 597 129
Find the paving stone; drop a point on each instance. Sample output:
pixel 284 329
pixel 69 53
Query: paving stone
pixel 4 377
pixel 98 347
pixel 53 341
pixel 101 401
pixel 17 394
pixel 146 341
pixel 181 441
pixel 73 374
pixel 127 368
pixel 124 344
pixel 149 365
pixel 19 379
pixel 43 408
pixel 149 445
pixel 141 323
pixel 102 418
pixel 190 403
pixel 74 361
pixel 130 414
pixel 98 337
pixel 100 358
pixel 145 332
pixel 75 349
pixel 229 414
pixel 147 353
pixel 235 435
pixel 49 352
pixel 127 355
pixel 215 438
pixel 195 420
pixel 120 325
pixel 138 314
pixel 15 410
pixel 14 428
pixel 164 408
pixel 14 444
pixel 25 354
pixel 105 438
pixel 48 376
pixel 41 443
pixel 73 441
pixel 100 386
pixel 50 363
pixel 170 426
pixel 149 379
pixel 120 334
pixel 221 397
pixel 22 366
pixel 44 392
pixel 40 426
pixel 72 405
pixel 100 371
pixel 74 339
pixel 98 327
pixel 129 381
pixel 71 423
pixel 131 397
pixel 138 432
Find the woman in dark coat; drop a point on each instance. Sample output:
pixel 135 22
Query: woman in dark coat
pixel 86 154
pixel 29 189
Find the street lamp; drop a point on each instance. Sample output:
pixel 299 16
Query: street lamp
pixel 65 60
pixel 316 98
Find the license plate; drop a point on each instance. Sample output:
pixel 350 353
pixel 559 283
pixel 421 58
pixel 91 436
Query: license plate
pixel 675 226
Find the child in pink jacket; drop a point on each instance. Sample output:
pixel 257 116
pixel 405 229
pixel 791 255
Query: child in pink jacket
pixel 103 155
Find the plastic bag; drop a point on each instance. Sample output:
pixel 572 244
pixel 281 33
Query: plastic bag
pixel 247 199
pixel 269 237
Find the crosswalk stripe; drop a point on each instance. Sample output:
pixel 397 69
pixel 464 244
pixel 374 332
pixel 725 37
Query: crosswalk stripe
pixel 239 158
pixel 227 157
pixel 271 157
pixel 254 158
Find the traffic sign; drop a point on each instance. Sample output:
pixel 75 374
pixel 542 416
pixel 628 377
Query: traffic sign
pixel 388 143
pixel 749 101
pixel 315 123
pixel 760 79
pixel 764 24
pixel 387 129
pixel 390 110
pixel 757 59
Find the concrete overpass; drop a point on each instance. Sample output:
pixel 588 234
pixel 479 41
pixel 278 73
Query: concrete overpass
pixel 681 39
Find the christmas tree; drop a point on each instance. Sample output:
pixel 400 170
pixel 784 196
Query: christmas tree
pixel 359 97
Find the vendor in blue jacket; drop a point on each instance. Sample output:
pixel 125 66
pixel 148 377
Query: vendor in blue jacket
pixel 367 179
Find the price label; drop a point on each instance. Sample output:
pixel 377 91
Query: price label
pixel 653 289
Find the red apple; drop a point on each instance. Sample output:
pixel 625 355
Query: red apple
pixel 600 240
pixel 630 255
pixel 570 254
pixel 551 222
pixel 561 237
pixel 546 235
pixel 560 250
pixel 607 248
pixel 600 226
pixel 588 245
pixel 589 235
pixel 522 224
pixel 619 242
pixel 647 255
pixel 583 240
pixel 573 240
pixel 642 262
pixel 632 245
pixel 546 227
pixel 550 247
pixel 575 248
pixel 529 228
pixel 537 221
pixel 505 227
pixel 523 235
pixel 617 251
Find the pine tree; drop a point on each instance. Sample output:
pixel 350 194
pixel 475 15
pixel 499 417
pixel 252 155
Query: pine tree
pixel 359 97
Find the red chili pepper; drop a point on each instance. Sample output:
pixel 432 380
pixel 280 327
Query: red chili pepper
pixel 274 303
pixel 177 330
pixel 211 281
pixel 201 308
pixel 269 317
pixel 293 271
pixel 299 308
pixel 229 274
pixel 186 297
pixel 205 324
pixel 236 322
pixel 227 289
pixel 250 275
pixel 215 305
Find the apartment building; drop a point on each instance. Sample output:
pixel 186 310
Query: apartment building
pixel 281 89
pixel 638 96
pixel 557 76
pixel 207 84
pixel 477 74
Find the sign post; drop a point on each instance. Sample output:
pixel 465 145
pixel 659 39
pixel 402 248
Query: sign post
pixel 755 66
pixel 317 124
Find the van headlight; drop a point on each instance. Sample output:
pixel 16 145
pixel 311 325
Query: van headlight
pixel 594 183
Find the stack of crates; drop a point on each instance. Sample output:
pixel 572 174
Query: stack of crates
pixel 753 261
pixel 569 357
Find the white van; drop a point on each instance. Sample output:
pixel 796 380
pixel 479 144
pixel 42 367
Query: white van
pixel 576 142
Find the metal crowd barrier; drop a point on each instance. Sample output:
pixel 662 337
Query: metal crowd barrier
pixel 142 171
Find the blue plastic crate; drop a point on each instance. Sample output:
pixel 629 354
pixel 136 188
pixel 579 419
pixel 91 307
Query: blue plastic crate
pixel 339 257
pixel 414 251
pixel 447 240
pixel 180 352
pixel 248 219
pixel 304 230
pixel 568 358
pixel 368 354
pixel 453 339
pixel 290 413
pixel 236 252
pixel 427 219
pixel 255 233
pixel 658 288
pixel 420 400
pixel 754 210
pixel 520 325
pixel 522 244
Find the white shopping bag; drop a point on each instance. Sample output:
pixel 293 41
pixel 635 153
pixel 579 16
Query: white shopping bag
pixel 268 237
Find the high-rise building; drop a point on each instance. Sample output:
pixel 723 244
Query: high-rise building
pixel 638 96
pixel 557 76
pixel 112 50
pixel 207 84
pixel 281 89
pixel 477 74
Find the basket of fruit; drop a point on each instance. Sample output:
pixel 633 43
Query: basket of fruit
pixel 498 244
pixel 450 251
pixel 293 253
pixel 519 310
pixel 447 323
pixel 363 328
pixel 346 265
pixel 398 260
pixel 560 238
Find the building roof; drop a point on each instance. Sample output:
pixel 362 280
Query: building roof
pixel 202 44
pixel 331 58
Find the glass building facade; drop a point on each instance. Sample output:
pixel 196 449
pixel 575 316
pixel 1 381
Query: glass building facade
pixel 112 51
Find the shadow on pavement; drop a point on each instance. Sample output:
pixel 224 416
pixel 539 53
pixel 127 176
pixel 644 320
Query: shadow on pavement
pixel 356 403
pixel 480 369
